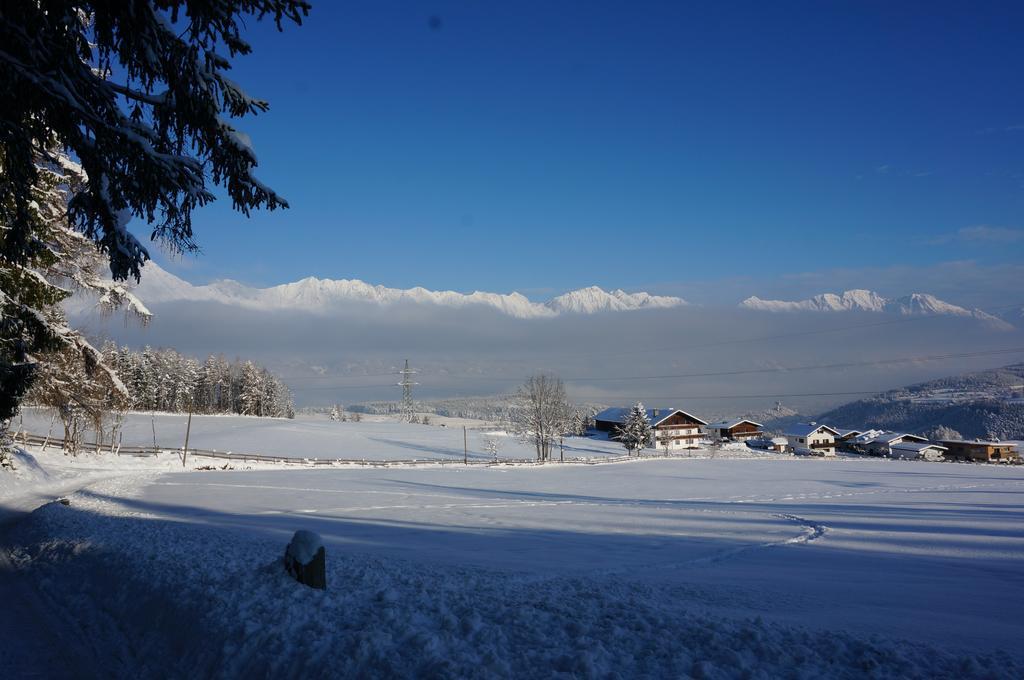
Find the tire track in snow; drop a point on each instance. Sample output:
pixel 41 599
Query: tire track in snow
pixel 812 530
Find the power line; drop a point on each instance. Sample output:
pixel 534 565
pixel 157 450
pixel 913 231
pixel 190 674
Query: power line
pixel 335 377
pixel 879 362
pixel 759 396
pixel 777 369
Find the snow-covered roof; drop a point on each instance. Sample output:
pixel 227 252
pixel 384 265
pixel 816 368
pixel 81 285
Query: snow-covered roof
pixel 980 442
pixel 728 424
pixel 843 432
pixel 805 429
pixel 890 437
pixel 867 435
pixel 655 415
pixel 917 446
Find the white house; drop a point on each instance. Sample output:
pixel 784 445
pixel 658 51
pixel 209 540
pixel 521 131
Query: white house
pixel 812 439
pixel 910 450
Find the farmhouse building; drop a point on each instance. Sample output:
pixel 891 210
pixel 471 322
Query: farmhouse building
pixel 911 450
pixel 881 445
pixel 737 430
pixel 812 439
pixel 678 429
pixel 981 451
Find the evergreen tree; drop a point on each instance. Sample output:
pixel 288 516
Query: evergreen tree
pixel 148 143
pixel 251 390
pixel 59 260
pixel 635 431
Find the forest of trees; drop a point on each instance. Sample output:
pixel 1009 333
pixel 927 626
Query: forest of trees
pixel 164 380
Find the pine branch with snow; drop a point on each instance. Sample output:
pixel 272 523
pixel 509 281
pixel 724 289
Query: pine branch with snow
pixel 138 92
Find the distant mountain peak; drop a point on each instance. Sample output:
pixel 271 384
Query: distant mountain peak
pixel 314 294
pixel 592 299
pixel 915 304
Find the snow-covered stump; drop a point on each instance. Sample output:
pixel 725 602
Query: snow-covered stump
pixel 306 560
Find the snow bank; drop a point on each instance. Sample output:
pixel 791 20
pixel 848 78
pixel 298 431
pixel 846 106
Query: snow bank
pixel 131 584
pixel 395 619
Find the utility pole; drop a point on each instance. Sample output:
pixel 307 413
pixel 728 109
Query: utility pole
pixel 465 446
pixel 407 384
pixel 188 429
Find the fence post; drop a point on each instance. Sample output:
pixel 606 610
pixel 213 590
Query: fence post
pixel 188 430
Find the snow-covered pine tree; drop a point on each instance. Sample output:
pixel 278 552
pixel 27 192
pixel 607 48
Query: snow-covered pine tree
pixel 251 389
pixel 137 93
pixel 491 445
pixel 578 422
pixel 335 414
pixel 225 394
pixel 33 327
pixel 635 431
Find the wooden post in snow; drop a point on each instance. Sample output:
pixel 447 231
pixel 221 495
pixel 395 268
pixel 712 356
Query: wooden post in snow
pixel 188 429
pixel 152 424
pixel 465 446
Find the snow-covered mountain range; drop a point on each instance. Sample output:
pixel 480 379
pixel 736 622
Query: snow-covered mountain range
pixel 916 304
pixel 326 295
pixel 319 295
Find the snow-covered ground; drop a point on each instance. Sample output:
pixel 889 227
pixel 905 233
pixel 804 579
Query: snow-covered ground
pixel 374 438
pixel 705 568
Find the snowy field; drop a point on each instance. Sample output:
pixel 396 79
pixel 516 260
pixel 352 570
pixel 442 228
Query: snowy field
pixel 661 568
pixel 375 438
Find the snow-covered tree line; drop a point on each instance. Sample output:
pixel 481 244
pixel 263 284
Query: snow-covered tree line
pixel 164 380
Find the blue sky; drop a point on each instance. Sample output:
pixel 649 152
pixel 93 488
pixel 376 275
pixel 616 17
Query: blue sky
pixel 542 146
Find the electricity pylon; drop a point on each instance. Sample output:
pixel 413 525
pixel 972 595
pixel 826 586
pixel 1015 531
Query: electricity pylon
pixel 406 385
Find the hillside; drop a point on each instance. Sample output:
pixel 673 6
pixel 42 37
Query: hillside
pixel 983 404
